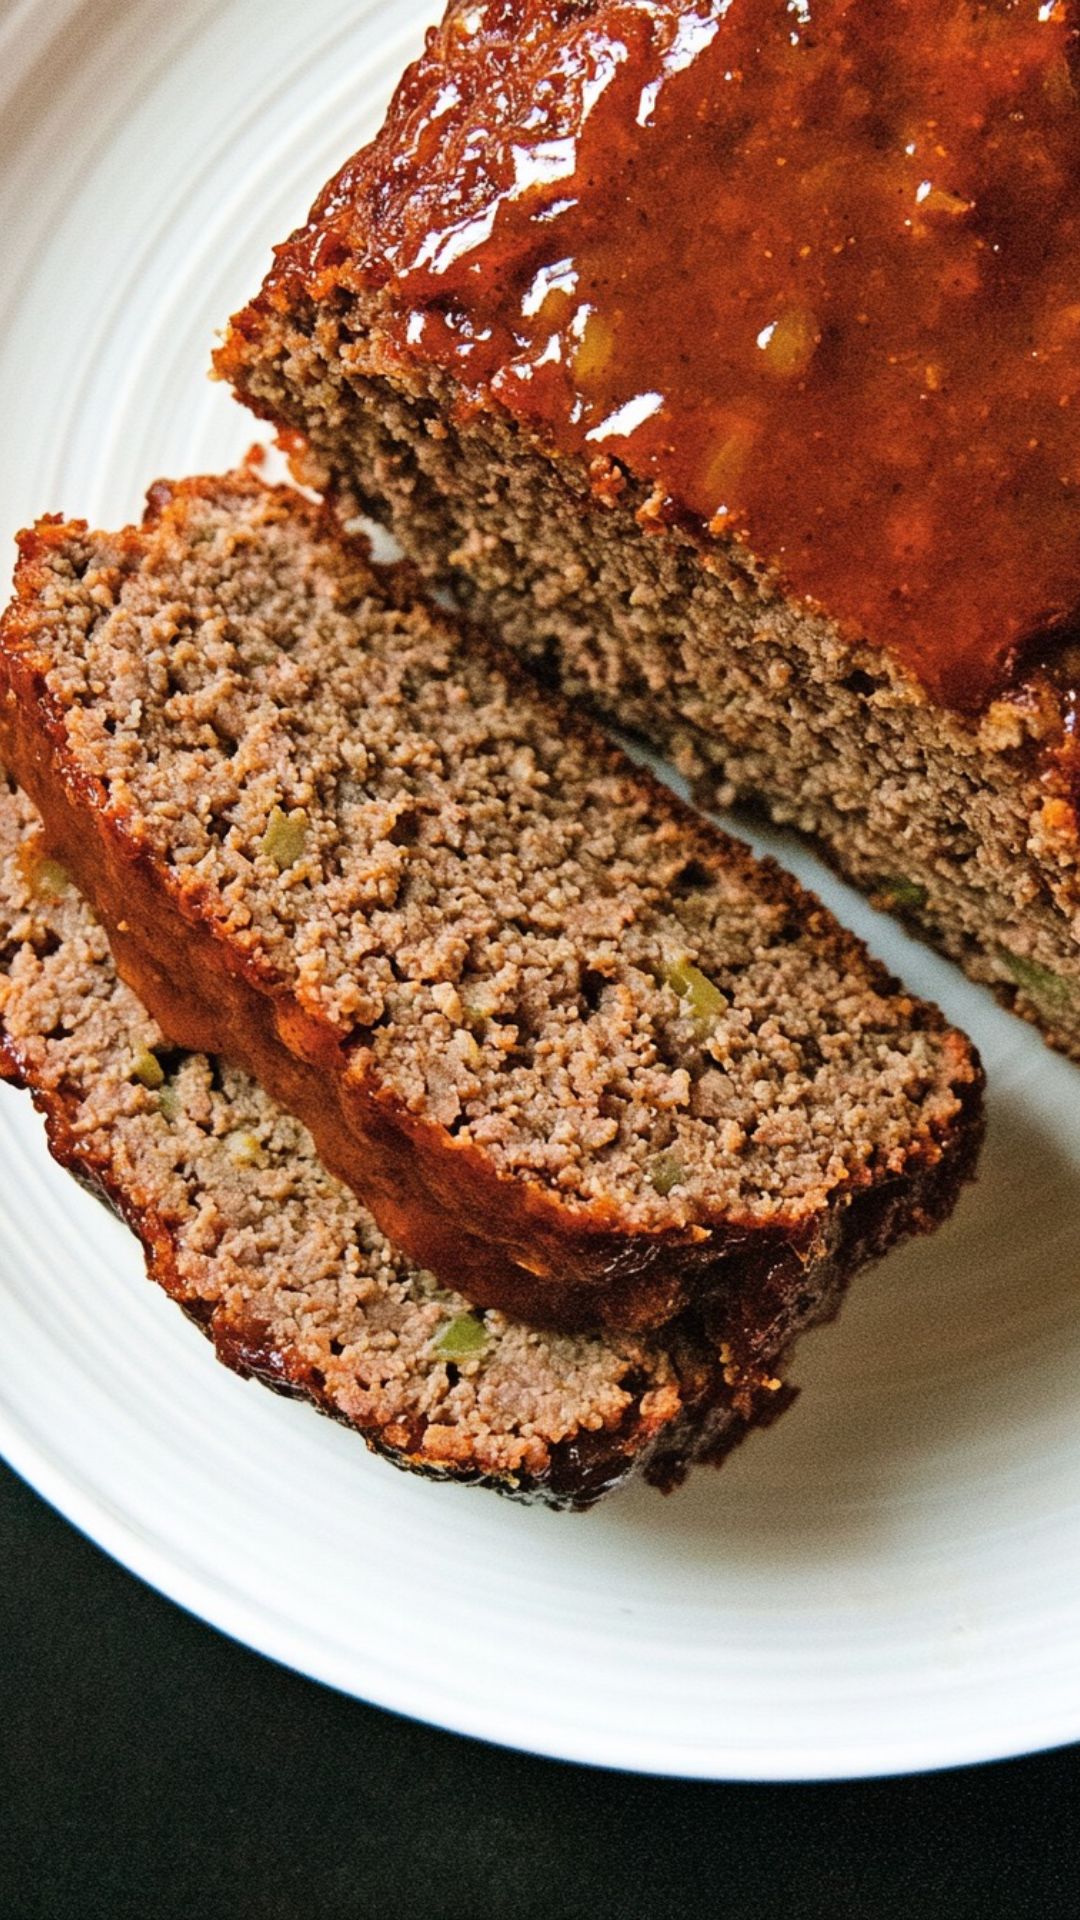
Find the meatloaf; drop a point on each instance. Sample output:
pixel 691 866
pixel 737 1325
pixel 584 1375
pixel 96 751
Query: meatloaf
pixel 726 360
pixel 292 1279
pixel 582 1056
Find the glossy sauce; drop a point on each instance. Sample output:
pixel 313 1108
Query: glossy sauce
pixel 810 269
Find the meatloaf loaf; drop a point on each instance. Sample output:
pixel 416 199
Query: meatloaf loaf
pixel 583 1057
pixel 726 360
pixel 291 1278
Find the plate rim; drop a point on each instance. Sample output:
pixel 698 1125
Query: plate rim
pixel 241 1622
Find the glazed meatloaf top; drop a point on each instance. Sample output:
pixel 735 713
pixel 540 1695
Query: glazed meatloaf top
pixel 579 1052
pixel 292 1279
pixel 806 272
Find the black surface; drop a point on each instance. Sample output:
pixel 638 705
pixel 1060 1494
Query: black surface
pixel 153 1768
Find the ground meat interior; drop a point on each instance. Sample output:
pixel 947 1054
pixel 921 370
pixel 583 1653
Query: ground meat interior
pixel 528 941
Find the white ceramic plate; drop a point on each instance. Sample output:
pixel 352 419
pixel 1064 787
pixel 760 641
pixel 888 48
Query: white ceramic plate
pixel 889 1581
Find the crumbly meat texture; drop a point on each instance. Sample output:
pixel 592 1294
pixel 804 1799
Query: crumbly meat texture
pixel 581 1054
pixel 292 1279
pixel 966 826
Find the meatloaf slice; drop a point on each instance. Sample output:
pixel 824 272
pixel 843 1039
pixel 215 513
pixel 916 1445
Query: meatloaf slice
pixel 291 1278
pixel 582 1056
pixel 727 365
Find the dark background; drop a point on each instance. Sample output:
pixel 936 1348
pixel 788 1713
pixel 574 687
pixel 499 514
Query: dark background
pixel 152 1768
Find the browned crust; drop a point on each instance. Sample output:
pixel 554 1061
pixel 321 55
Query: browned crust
pixel 501 1241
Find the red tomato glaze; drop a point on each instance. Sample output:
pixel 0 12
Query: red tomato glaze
pixel 810 269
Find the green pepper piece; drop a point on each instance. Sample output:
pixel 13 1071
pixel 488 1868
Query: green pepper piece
pixel 666 1173
pixel 1037 981
pixel 51 880
pixel 704 999
pixel 285 837
pixel 147 1068
pixel 896 891
pixel 463 1338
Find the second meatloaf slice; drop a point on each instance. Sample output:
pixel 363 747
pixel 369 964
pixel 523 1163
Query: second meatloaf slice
pixel 293 1281
pixel 581 1055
